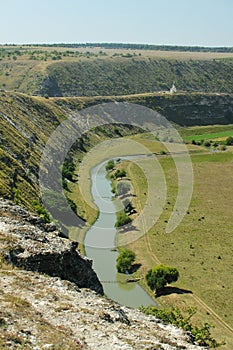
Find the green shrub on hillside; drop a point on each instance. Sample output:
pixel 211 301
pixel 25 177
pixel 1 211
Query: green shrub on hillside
pixel 182 319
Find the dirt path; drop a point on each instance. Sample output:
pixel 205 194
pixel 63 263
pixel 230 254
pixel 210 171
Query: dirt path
pixel 195 297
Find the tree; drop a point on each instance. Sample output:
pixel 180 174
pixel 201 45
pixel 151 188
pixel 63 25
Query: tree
pixel 160 275
pixel 128 206
pixel 122 219
pixel 110 165
pixel 125 260
pixel 229 141
pixel 119 173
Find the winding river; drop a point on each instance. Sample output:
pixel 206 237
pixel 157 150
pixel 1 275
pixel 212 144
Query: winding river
pixel 99 244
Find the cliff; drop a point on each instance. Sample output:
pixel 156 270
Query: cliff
pixel 31 244
pixel 27 122
pixel 49 310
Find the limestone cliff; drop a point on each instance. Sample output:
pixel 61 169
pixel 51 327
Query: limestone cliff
pixel 50 311
pixel 33 245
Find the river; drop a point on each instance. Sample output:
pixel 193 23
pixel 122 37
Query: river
pixel 100 243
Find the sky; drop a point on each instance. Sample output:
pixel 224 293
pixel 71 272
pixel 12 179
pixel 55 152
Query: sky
pixel 161 22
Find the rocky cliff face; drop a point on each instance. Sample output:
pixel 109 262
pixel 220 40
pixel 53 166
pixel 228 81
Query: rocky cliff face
pixel 31 244
pixel 50 311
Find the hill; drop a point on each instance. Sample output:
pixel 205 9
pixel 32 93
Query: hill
pixel 110 70
pixel 27 122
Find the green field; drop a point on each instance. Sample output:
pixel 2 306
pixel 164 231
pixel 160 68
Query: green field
pixel 200 247
pixel 214 136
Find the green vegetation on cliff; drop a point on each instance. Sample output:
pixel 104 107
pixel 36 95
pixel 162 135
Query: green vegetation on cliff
pixel 112 70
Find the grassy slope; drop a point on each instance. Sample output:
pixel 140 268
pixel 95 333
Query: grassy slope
pixel 130 76
pixel 201 246
pixel 26 124
pixel 55 72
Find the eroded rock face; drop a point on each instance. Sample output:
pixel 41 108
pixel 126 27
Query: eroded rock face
pixel 33 245
pixel 50 311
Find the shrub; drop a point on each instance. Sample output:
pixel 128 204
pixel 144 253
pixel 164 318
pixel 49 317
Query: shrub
pixel 110 165
pixel 128 206
pixel 207 144
pixel 229 141
pixel 125 260
pixel 182 319
pixel 119 174
pixel 41 211
pixel 122 219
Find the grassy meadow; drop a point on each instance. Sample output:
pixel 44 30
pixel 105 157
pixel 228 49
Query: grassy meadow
pixel 201 246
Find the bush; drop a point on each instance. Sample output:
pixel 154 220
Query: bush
pixel 128 206
pixel 160 275
pixel 122 219
pixel 207 144
pixel 119 174
pixel 181 319
pixel 41 211
pixel 229 141
pixel 68 169
pixel 125 260
pixel 110 165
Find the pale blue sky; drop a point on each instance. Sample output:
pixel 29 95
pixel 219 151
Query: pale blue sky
pixel 174 22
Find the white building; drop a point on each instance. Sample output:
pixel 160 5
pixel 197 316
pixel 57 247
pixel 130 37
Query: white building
pixel 173 89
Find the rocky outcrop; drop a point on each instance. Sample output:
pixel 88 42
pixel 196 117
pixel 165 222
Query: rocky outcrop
pixel 49 313
pixel 33 245
pixel 49 310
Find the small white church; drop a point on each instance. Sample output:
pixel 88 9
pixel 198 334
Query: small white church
pixel 173 89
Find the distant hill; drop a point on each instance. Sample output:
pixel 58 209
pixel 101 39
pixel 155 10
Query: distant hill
pixel 118 77
pixel 113 69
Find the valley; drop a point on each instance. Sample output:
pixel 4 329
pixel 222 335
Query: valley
pixel 44 86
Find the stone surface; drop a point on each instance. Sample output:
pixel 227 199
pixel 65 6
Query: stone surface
pixel 41 311
pixel 33 247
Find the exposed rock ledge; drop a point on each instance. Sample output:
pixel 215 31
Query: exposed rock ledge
pixel 31 245
pixel 43 312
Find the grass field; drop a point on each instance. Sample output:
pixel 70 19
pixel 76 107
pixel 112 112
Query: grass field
pixel 201 246
pixel 213 136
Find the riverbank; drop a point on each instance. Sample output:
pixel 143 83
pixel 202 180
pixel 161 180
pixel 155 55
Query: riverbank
pixel 190 248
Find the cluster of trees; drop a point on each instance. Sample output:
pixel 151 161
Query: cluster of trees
pixel 140 47
pixel 157 278
pixel 182 319
pixel 210 143
pixel 122 219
